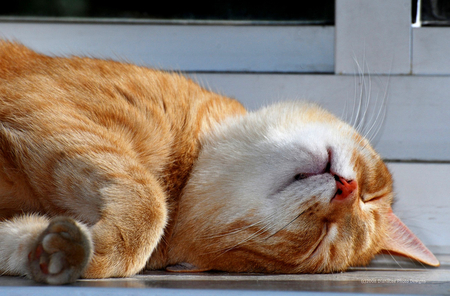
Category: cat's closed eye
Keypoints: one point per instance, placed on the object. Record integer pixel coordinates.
(301, 176)
(366, 199)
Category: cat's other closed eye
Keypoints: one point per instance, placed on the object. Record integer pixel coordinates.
(301, 176)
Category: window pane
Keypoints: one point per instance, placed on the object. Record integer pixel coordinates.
(433, 12)
(321, 11)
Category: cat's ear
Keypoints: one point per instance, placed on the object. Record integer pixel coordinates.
(401, 241)
(185, 267)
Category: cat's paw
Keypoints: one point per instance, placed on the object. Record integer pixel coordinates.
(60, 253)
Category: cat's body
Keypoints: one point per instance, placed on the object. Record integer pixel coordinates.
(147, 169)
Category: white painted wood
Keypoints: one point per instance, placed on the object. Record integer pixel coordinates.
(186, 47)
(376, 32)
(431, 50)
(423, 201)
(417, 123)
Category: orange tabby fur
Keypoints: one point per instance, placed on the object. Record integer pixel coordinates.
(112, 147)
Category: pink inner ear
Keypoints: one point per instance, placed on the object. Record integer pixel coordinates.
(401, 241)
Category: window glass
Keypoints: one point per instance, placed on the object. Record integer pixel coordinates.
(319, 11)
(432, 12)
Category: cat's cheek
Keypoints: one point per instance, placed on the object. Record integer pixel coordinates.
(322, 188)
(304, 197)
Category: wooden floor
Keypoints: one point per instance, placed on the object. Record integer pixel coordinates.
(384, 276)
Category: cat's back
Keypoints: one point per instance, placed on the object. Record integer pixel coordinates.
(134, 103)
(88, 84)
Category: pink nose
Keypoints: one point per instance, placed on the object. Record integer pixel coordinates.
(344, 188)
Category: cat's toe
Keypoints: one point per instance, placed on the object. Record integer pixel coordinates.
(61, 253)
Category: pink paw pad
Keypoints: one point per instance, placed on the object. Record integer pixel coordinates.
(61, 253)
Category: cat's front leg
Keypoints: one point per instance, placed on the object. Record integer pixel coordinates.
(60, 250)
(132, 223)
(129, 230)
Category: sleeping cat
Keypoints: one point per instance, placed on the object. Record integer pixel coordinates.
(109, 168)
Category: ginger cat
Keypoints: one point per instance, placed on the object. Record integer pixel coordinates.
(110, 168)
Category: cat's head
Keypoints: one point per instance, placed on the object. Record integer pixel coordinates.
(288, 189)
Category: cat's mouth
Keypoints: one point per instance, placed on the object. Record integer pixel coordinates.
(316, 248)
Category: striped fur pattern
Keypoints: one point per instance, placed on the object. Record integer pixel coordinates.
(108, 168)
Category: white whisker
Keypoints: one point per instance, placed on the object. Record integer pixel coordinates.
(373, 118)
(366, 122)
(238, 230)
(249, 238)
(368, 93)
(268, 227)
(379, 120)
(357, 105)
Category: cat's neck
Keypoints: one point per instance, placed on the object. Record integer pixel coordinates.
(205, 110)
